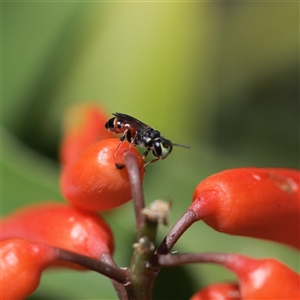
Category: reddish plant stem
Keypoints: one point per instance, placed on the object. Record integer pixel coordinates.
(119, 288)
(182, 224)
(112, 272)
(133, 170)
(172, 260)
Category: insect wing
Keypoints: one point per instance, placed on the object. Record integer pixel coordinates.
(137, 124)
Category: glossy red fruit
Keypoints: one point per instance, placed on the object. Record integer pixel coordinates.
(256, 202)
(93, 181)
(84, 124)
(263, 278)
(21, 267)
(218, 291)
(62, 226)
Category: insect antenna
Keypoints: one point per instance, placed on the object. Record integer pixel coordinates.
(182, 145)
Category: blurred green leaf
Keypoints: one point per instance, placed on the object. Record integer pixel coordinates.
(27, 176)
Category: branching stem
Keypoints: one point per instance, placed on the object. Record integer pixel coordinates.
(172, 260)
(119, 287)
(112, 272)
(133, 170)
(183, 223)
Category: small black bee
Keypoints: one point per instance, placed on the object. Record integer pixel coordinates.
(138, 133)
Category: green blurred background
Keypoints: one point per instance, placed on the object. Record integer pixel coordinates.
(221, 77)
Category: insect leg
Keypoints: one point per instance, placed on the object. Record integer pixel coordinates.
(133, 140)
(151, 161)
(124, 135)
(122, 138)
(146, 153)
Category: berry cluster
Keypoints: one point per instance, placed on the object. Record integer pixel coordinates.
(256, 202)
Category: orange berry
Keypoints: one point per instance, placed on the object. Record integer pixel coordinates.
(257, 202)
(93, 181)
(21, 267)
(219, 291)
(62, 226)
(263, 278)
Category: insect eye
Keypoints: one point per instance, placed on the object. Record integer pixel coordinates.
(165, 144)
(157, 149)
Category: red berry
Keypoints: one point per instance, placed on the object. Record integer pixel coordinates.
(62, 226)
(22, 264)
(218, 291)
(256, 202)
(94, 182)
(263, 278)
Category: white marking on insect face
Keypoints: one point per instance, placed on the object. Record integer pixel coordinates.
(164, 151)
